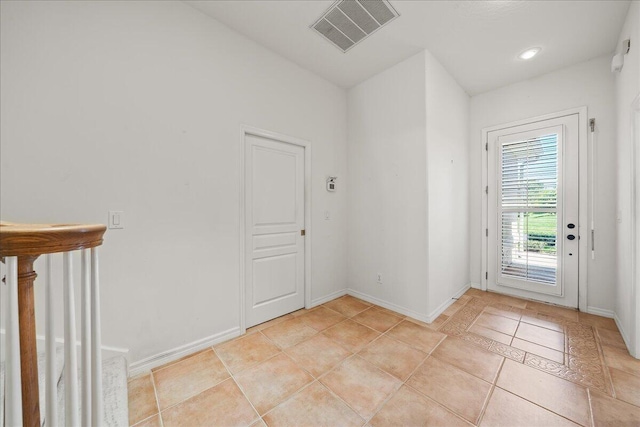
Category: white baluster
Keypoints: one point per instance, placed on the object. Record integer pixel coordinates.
(2, 309)
(51, 381)
(71, 365)
(85, 337)
(13, 383)
(97, 409)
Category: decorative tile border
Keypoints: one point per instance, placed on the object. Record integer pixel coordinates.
(584, 361)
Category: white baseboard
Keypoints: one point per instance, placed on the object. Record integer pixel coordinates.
(168, 356)
(442, 307)
(623, 332)
(107, 351)
(337, 294)
(388, 305)
(475, 286)
(601, 312)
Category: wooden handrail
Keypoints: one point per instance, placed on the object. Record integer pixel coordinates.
(38, 239)
(27, 242)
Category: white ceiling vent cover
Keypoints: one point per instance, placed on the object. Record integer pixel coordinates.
(348, 22)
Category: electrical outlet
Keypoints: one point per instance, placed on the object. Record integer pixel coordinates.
(379, 278)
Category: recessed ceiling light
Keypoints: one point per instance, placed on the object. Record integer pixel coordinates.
(529, 53)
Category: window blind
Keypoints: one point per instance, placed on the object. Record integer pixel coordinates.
(528, 208)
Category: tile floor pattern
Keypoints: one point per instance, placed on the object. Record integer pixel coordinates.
(488, 360)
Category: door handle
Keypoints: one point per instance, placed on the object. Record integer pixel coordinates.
(571, 237)
(571, 226)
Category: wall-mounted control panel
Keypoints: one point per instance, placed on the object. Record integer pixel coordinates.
(331, 183)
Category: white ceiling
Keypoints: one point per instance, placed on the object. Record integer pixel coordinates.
(477, 41)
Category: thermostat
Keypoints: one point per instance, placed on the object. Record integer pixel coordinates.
(331, 183)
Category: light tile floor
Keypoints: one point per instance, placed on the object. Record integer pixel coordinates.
(488, 360)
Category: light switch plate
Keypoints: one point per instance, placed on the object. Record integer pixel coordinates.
(116, 219)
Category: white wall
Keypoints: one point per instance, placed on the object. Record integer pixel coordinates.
(627, 87)
(387, 206)
(137, 106)
(408, 216)
(448, 193)
(586, 84)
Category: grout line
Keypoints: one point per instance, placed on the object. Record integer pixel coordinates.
(343, 361)
(495, 330)
(485, 405)
(366, 309)
(273, 322)
(430, 399)
(416, 368)
(374, 308)
(199, 392)
(438, 344)
(539, 405)
(315, 380)
(242, 371)
(334, 325)
(232, 377)
(517, 329)
(382, 334)
(145, 419)
(603, 363)
(301, 367)
(593, 421)
(282, 347)
(544, 327)
(329, 308)
(543, 407)
(402, 384)
(193, 395)
(384, 402)
(343, 401)
(539, 345)
(295, 393)
(499, 371)
(180, 360)
(155, 392)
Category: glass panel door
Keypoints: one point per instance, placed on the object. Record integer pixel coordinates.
(532, 219)
(528, 209)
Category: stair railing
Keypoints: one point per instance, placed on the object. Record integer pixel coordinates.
(20, 246)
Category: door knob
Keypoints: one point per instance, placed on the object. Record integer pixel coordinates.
(571, 237)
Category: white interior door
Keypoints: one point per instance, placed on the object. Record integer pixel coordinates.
(533, 229)
(274, 204)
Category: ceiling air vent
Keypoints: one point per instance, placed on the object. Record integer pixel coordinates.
(348, 22)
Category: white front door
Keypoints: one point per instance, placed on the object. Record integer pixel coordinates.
(533, 213)
(274, 203)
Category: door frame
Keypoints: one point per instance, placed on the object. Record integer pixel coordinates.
(306, 145)
(634, 345)
(583, 194)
